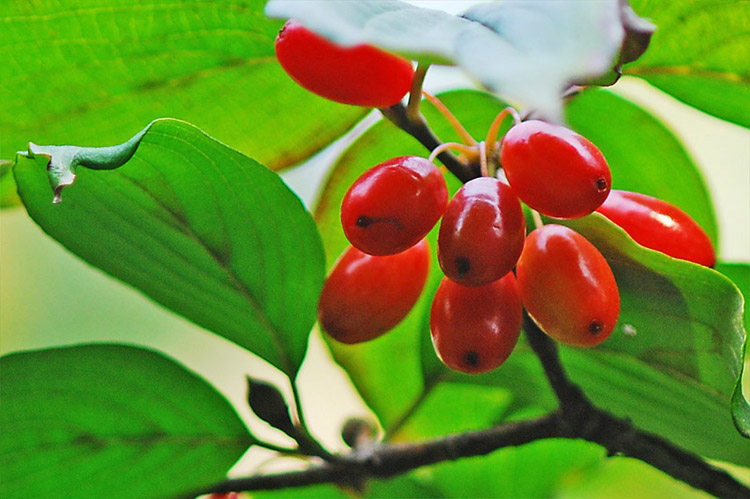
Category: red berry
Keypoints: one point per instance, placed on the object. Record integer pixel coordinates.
(482, 233)
(475, 329)
(554, 170)
(567, 286)
(361, 75)
(366, 296)
(660, 226)
(394, 205)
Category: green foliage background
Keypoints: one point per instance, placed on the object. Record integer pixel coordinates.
(93, 75)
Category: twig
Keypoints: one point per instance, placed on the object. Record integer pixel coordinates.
(419, 130)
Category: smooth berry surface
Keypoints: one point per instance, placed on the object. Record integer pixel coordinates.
(481, 233)
(554, 170)
(567, 286)
(660, 226)
(361, 75)
(474, 329)
(394, 205)
(365, 296)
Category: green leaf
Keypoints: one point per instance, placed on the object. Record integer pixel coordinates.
(8, 195)
(674, 362)
(662, 168)
(739, 273)
(111, 421)
(373, 366)
(198, 227)
(90, 72)
(527, 51)
(613, 477)
(538, 469)
(700, 54)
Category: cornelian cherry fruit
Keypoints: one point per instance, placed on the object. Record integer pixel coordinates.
(554, 170)
(660, 226)
(365, 296)
(567, 286)
(394, 205)
(361, 75)
(482, 233)
(474, 329)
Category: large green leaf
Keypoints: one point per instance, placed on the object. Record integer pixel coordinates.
(111, 421)
(674, 363)
(90, 72)
(700, 54)
(527, 51)
(195, 225)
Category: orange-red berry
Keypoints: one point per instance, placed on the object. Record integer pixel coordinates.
(660, 226)
(474, 329)
(482, 233)
(554, 170)
(567, 286)
(361, 75)
(366, 296)
(394, 205)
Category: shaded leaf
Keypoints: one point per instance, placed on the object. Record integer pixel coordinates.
(700, 54)
(111, 421)
(198, 227)
(121, 65)
(526, 51)
(674, 363)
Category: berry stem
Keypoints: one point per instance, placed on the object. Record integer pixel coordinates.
(469, 151)
(415, 94)
(451, 118)
(498, 121)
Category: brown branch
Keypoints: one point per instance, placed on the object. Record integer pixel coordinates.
(617, 435)
(418, 129)
(581, 419)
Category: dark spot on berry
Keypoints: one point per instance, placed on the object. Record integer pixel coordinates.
(601, 184)
(471, 358)
(363, 221)
(462, 265)
(595, 327)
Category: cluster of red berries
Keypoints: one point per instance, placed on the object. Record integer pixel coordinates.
(563, 281)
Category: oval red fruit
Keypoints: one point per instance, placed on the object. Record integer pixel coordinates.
(567, 286)
(482, 233)
(366, 296)
(394, 205)
(475, 329)
(361, 75)
(554, 170)
(660, 226)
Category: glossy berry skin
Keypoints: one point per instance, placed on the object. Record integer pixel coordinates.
(481, 233)
(554, 170)
(361, 75)
(475, 329)
(366, 296)
(658, 225)
(567, 286)
(394, 205)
